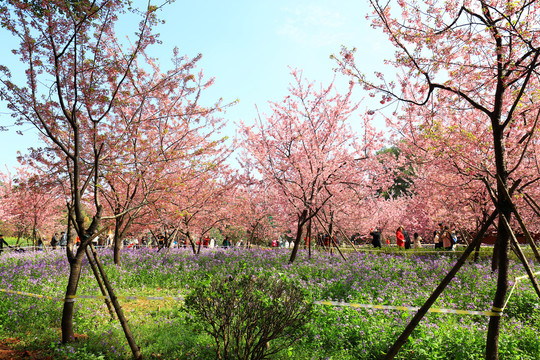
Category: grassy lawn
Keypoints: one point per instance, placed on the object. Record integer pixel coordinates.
(166, 330)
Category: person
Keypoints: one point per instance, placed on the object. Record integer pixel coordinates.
(54, 241)
(2, 243)
(95, 241)
(407, 238)
(376, 238)
(437, 240)
(446, 239)
(417, 241)
(274, 243)
(400, 239)
(161, 242)
(226, 242)
(327, 240)
(453, 237)
(63, 239)
(109, 239)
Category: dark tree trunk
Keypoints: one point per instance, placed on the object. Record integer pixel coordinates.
(118, 238)
(308, 237)
(402, 339)
(191, 243)
(301, 222)
(331, 233)
(75, 267)
(502, 244)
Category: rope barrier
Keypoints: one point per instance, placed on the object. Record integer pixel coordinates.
(102, 297)
(516, 281)
(71, 298)
(493, 312)
(31, 295)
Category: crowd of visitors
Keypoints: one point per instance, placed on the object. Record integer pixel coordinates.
(444, 238)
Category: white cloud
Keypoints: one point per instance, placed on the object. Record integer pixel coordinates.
(315, 24)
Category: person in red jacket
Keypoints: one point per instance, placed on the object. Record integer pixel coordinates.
(400, 238)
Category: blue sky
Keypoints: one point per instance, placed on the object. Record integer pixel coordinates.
(248, 47)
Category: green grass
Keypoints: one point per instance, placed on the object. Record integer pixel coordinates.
(164, 330)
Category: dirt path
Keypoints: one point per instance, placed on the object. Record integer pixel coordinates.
(8, 353)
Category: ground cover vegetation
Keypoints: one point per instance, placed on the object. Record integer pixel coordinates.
(170, 329)
(131, 154)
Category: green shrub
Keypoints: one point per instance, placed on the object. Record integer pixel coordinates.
(250, 316)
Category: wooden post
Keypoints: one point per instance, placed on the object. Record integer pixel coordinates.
(464, 236)
(521, 223)
(402, 339)
(521, 256)
(477, 251)
(331, 238)
(127, 331)
(349, 240)
(171, 240)
(532, 204)
(100, 282)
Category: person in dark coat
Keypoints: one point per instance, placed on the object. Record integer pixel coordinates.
(407, 239)
(376, 238)
(54, 241)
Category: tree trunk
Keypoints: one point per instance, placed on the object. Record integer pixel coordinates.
(118, 238)
(301, 222)
(308, 237)
(502, 244)
(191, 243)
(119, 312)
(402, 339)
(75, 267)
(331, 233)
(492, 342)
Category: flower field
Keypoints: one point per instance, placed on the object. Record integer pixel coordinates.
(164, 330)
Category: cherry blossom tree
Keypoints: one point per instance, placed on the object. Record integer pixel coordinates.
(75, 70)
(472, 67)
(30, 205)
(198, 198)
(160, 128)
(255, 208)
(306, 150)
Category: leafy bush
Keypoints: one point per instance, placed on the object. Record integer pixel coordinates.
(250, 316)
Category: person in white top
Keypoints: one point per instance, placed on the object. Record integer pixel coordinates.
(417, 241)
